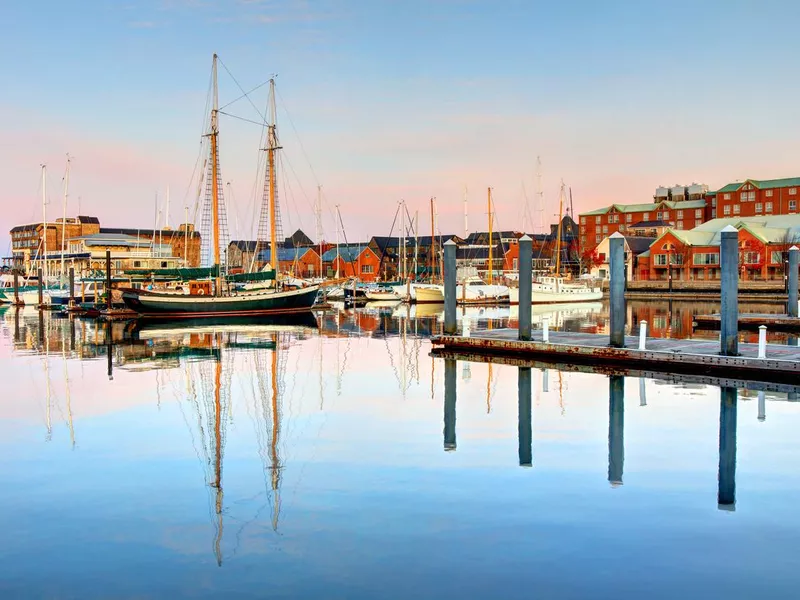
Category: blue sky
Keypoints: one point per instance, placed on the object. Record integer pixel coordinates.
(396, 100)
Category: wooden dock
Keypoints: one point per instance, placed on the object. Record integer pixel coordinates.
(700, 357)
(752, 321)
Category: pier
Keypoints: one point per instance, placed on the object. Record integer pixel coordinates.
(726, 357)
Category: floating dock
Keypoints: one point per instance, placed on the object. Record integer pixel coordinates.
(752, 321)
(701, 357)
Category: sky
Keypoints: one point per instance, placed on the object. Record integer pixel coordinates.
(381, 101)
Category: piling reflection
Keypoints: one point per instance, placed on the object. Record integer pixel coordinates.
(449, 405)
(726, 495)
(525, 426)
(616, 429)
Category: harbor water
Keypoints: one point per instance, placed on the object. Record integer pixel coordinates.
(334, 457)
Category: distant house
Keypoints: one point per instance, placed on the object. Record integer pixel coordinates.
(352, 261)
(634, 247)
(417, 251)
(240, 254)
(299, 262)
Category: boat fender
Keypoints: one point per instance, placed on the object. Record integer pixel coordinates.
(201, 292)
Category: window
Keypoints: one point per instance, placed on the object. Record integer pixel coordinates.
(597, 219)
(629, 218)
(646, 217)
(706, 258)
(680, 224)
(137, 264)
(713, 202)
(605, 228)
(602, 257)
(737, 209)
(514, 264)
(769, 206)
(792, 204)
(768, 193)
(597, 228)
(597, 239)
(751, 258)
(792, 191)
(583, 220)
(666, 214)
(759, 207)
(727, 209)
(726, 196)
(680, 214)
(368, 269)
(622, 227)
(698, 214)
(163, 264)
(658, 216)
(661, 260)
(613, 218)
(747, 196)
(776, 257)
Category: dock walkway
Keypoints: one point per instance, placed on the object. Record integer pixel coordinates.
(782, 363)
(752, 321)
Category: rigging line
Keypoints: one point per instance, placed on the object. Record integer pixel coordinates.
(299, 183)
(240, 118)
(260, 85)
(263, 118)
(299, 140)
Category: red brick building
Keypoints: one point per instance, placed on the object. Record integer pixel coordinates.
(352, 261)
(754, 197)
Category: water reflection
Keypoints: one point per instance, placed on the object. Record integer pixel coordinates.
(314, 450)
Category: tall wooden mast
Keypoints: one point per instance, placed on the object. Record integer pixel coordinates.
(217, 483)
(272, 146)
(432, 260)
(491, 241)
(276, 424)
(558, 241)
(215, 173)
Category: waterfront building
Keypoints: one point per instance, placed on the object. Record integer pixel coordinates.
(356, 260)
(27, 241)
(298, 262)
(694, 255)
(87, 255)
(754, 197)
(634, 247)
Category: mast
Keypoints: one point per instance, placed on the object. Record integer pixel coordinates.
(491, 240)
(416, 243)
(319, 226)
(558, 241)
(338, 219)
(432, 259)
(540, 193)
(215, 175)
(403, 240)
(272, 146)
(186, 238)
(64, 219)
(44, 222)
(466, 222)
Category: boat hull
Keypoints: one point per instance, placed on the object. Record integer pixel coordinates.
(560, 297)
(429, 294)
(173, 306)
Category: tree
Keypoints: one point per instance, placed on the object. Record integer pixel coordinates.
(591, 259)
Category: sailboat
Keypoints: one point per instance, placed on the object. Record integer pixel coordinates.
(428, 293)
(555, 288)
(218, 300)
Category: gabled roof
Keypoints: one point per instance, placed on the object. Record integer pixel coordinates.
(88, 220)
(245, 245)
(346, 253)
(298, 238)
(647, 207)
(762, 184)
(284, 254)
(638, 244)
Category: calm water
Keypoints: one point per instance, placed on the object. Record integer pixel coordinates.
(345, 462)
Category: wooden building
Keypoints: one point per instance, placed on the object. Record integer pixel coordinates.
(357, 260)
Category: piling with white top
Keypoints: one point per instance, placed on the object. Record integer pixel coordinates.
(525, 416)
(450, 287)
(41, 288)
(794, 266)
(642, 335)
(726, 492)
(729, 291)
(525, 286)
(616, 251)
(546, 330)
(71, 286)
(762, 341)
